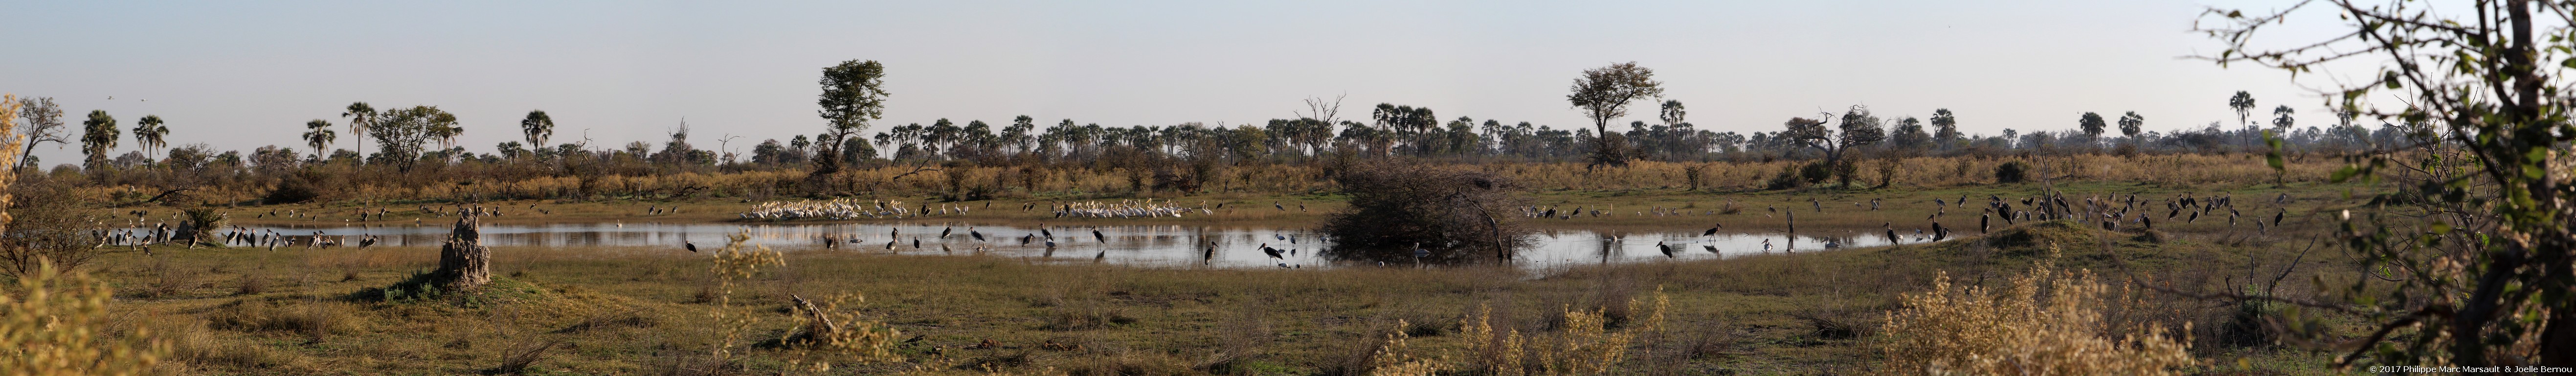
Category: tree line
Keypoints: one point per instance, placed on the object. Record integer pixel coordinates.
(405, 138)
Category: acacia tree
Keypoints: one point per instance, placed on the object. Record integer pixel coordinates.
(2131, 124)
(1603, 94)
(149, 134)
(401, 133)
(318, 134)
(1945, 127)
(98, 136)
(1908, 135)
(1858, 128)
(42, 121)
(2472, 265)
(2093, 125)
(853, 94)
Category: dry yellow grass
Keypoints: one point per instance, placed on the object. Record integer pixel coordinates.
(2046, 322)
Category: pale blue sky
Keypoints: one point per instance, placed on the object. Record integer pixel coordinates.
(243, 74)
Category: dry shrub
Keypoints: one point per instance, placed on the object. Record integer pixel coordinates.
(629, 318)
(251, 285)
(832, 330)
(515, 362)
(1396, 205)
(256, 315)
(733, 263)
(2048, 322)
(56, 326)
(167, 280)
(1124, 363)
(1585, 344)
(1241, 335)
(48, 223)
(1089, 315)
(1394, 358)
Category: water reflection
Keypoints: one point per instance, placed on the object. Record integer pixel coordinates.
(1149, 245)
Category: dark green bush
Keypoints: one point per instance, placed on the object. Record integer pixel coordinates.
(2012, 172)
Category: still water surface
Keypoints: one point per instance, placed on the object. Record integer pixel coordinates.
(1141, 245)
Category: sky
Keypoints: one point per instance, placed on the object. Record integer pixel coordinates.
(238, 75)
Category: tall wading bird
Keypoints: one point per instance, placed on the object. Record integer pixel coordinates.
(1273, 252)
(692, 246)
(970, 231)
(1712, 230)
(1667, 249)
(1983, 220)
(1095, 235)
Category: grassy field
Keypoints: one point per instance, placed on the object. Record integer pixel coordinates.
(647, 311)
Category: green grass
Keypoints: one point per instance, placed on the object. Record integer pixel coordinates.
(640, 311)
(635, 314)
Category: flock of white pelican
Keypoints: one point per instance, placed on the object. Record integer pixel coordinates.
(841, 209)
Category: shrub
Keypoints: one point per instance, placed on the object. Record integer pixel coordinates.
(1396, 205)
(201, 225)
(292, 189)
(1816, 172)
(1786, 179)
(2046, 322)
(1584, 344)
(48, 224)
(59, 329)
(2012, 172)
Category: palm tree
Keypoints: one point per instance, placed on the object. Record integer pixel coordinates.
(318, 135)
(361, 116)
(98, 136)
(148, 133)
(538, 127)
(442, 127)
